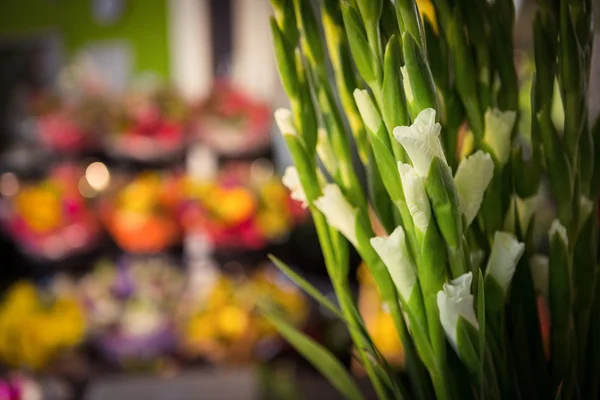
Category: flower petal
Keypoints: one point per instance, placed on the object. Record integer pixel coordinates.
(472, 179)
(291, 180)
(498, 129)
(506, 252)
(416, 197)
(455, 300)
(339, 212)
(421, 141)
(285, 121)
(394, 254)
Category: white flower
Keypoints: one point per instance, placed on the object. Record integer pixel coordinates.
(539, 265)
(285, 121)
(421, 141)
(472, 179)
(506, 252)
(416, 197)
(558, 228)
(339, 213)
(454, 301)
(325, 152)
(394, 254)
(408, 93)
(526, 209)
(497, 134)
(291, 180)
(367, 110)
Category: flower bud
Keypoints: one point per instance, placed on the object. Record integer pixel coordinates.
(394, 254)
(472, 179)
(497, 133)
(339, 212)
(416, 197)
(506, 252)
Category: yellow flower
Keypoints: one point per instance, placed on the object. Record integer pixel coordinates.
(426, 9)
(236, 205)
(40, 207)
(232, 322)
(273, 224)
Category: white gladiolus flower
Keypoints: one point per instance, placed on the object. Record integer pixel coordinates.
(291, 180)
(285, 121)
(472, 179)
(506, 252)
(539, 265)
(526, 209)
(339, 213)
(394, 254)
(421, 141)
(498, 128)
(325, 152)
(416, 197)
(367, 110)
(454, 301)
(558, 228)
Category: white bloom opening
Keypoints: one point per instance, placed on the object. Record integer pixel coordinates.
(455, 300)
(539, 265)
(339, 212)
(325, 152)
(416, 196)
(526, 209)
(285, 121)
(506, 252)
(558, 228)
(394, 254)
(497, 134)
(422, 141)
(472, 178)
(367, 110)
(291, 180)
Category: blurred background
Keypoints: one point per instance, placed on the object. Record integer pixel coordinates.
(140, 194)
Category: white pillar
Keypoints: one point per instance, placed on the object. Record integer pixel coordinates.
(253, 60)
(190, 47)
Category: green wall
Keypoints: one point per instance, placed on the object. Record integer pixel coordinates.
(143, 25)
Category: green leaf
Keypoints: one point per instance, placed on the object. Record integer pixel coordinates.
(422, 93)
(329, 366)
(481, 319)
(310, 38)
(306, 286)
(285, 61)
(364, 57)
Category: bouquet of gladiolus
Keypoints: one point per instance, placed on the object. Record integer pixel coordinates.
(447, 225)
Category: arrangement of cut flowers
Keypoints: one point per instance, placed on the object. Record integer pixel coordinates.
(242, 209)
(36, 326)
(141, 214)
(224, 326)
(129, 308)
(51, 219)
(232, 123)
(72, 124)
(152, 125)
(446, 228)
